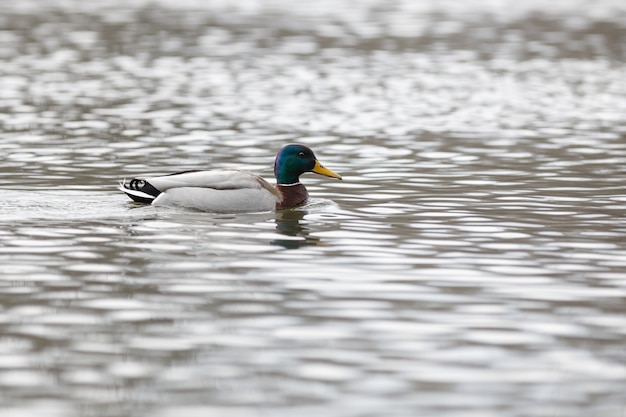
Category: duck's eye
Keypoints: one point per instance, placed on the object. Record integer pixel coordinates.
(301, 154)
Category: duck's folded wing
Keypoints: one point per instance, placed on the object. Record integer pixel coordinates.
(223, 179)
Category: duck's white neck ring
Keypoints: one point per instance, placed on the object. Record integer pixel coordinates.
(289, 185)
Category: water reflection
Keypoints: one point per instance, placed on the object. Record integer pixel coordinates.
(289, 223)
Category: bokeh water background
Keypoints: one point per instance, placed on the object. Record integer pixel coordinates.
(472, 263)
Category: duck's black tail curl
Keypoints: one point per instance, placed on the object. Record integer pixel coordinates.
(139, 190)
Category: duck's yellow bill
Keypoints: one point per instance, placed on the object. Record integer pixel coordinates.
(322, 170)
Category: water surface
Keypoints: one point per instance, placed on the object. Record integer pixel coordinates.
(471, 263)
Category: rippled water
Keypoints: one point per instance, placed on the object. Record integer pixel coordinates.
(471, 263)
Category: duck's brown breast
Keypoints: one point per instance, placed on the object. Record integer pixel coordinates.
(293, 195)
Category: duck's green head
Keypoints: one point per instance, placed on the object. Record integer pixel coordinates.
(294, 160)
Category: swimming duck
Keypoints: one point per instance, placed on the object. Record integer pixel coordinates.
(232, 190)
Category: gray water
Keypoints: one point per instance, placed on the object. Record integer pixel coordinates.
(472, 263)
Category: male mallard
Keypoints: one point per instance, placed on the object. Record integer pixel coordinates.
(231, 190)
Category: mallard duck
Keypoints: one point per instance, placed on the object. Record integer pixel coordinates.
(232, 190)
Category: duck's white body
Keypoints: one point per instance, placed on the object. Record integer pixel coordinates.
(220, 191)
